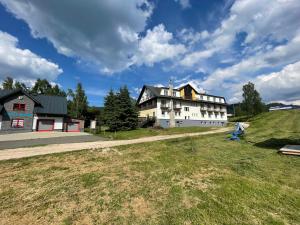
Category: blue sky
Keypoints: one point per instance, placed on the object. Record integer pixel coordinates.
(217, 46)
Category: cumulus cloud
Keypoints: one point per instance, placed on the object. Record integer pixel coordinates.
(272, 41)
(22, 64)
(284, 84)
(246, 68)
(260, 20)
(194, 57)
(157, 46)
(103, 32)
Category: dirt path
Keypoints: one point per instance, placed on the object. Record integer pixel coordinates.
(57, 148)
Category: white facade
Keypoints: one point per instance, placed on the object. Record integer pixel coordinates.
(58, 121)
(185, 110)
(190, 107)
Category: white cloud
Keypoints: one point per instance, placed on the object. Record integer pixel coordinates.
(260, 19)
(23, 64)
(157, 46)
(159, 85)
(282, 85)
(271, 43)
(246, 68)
(191, 37)
(103, 32)
(196, 57)
(184, 3)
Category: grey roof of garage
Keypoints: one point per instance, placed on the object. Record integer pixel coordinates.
(45, 104)
(51, 105)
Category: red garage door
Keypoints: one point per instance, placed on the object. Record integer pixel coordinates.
(73, 127)
(45, 125)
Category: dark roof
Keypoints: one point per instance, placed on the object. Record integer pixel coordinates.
(6, 93)
(157, 90)
(45, 104)
(56, 105)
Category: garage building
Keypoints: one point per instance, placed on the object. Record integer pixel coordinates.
(21, 111)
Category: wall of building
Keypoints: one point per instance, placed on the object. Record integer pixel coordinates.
(194, 111)
(190, 123)
(148, 113)
(58, 122)
(8, 113)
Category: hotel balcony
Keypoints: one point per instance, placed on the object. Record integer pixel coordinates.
(177, 106)
(217, 109)
(210, 109)
(164, 106)
(203, 108)
(223, 110)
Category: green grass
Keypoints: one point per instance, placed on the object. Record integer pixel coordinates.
(199, 180)
(145, 132)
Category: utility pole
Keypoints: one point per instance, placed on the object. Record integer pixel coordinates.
(172, 116)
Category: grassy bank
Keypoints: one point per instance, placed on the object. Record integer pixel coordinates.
(201, 180)
(146, 132)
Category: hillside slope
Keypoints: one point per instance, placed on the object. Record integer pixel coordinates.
(275, 129)
(195, 180)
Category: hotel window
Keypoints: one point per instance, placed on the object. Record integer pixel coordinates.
(174, 93)
(201, 97)
(19, 107)
(17, 123)
(186, 109)
(165, 92)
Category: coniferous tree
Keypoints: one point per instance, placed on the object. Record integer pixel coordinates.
(252, 103)
(8, 84)
(111, 111)
(41, 87)
(20, 85)
(78, 104)
(127, 115)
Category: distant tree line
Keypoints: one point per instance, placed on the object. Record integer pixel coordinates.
(41, 86)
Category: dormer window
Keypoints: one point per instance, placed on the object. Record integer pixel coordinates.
(165, 92)
(19, 107)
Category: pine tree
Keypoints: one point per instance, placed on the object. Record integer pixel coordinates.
(78, 104)
(127, 116)
(8, 84)
(20, 85)
(41, 87)
(252, 103)
(111, 111)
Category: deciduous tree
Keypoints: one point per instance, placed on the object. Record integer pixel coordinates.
(252, 103)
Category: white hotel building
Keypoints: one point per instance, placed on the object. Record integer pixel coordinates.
(190, 108)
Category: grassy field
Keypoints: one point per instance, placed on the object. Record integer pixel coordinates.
(200, 180)
(146, 132)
